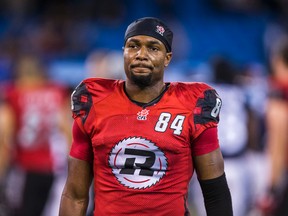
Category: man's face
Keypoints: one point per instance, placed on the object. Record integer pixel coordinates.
(145, 58)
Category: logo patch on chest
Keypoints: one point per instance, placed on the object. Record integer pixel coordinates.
(137, 163)
(142, 115)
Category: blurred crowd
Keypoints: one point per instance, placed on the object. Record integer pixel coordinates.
(240, 47)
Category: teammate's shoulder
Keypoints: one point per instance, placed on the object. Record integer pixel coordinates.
(278, 90)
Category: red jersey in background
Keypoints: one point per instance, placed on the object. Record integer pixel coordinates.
(37, 122)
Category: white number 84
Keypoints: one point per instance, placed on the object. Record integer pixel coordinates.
(163, 121)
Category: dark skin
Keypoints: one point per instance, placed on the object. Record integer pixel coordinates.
(145, 59)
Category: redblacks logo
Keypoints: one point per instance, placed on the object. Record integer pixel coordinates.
(137, 163)
(160, 30)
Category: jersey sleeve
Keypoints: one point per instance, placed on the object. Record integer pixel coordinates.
(206, 113)
(81, 102)
(206, 142)
(81, 146)
(207, 108)
(205, 117)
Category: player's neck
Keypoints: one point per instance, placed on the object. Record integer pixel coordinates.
(144, 95)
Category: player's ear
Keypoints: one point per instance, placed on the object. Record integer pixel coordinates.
(168, 58)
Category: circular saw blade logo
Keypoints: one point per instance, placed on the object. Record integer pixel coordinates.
(137, 163)
(142, 115)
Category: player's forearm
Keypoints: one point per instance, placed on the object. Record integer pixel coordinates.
(277, 151)
(7, 127)
(217, 196)
(277, 124)
(73, 207)
(4, 163)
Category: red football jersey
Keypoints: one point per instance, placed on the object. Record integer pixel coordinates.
(278, 90)
(37, 112)
(143, 150)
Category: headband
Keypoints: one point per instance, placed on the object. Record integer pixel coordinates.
(152, 27)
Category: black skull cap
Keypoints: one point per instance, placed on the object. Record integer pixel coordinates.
(152, 27)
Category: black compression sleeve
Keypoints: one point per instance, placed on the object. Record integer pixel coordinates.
(217, 197)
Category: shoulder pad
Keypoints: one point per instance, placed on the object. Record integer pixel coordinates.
(91, 91)
(81, 102)
(189, 92)
(207, 107)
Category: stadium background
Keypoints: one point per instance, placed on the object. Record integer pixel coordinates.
(81, 38)
(64, 32)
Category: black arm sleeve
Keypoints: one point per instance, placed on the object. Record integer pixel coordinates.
(217, 197)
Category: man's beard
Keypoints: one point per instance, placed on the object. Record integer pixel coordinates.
(142, 81)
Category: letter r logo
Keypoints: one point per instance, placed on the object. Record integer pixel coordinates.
(145, 170)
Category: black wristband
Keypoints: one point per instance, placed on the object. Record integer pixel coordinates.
(217, 197)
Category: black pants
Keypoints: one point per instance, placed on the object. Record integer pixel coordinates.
(282, 206)
(36, 191)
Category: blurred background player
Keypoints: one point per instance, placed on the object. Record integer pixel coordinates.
(276, 201)
(6, 135)
(36, 114)
(105, 64)
(238, 134)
